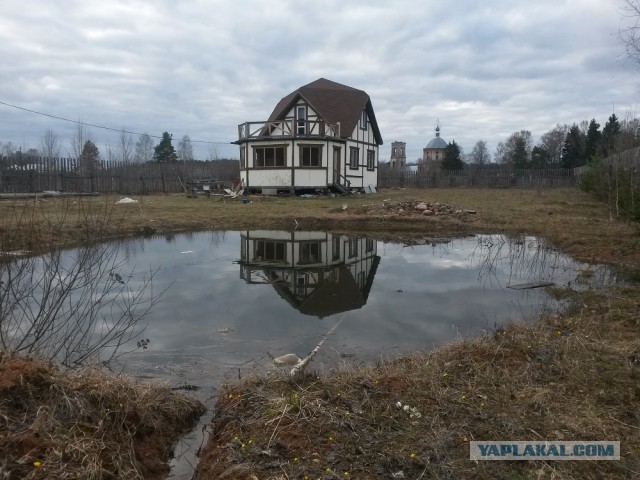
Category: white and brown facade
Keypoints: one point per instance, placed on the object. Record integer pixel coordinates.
(323, 136)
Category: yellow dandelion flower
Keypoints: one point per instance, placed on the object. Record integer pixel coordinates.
(37, 464)
(413, 455)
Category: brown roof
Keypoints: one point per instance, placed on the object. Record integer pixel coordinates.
(334, 102)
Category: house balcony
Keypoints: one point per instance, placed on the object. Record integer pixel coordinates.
(287, 129)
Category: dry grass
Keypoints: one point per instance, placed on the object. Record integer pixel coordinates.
(572, 377)
(86, 424)
(569, 218)
(565, 378)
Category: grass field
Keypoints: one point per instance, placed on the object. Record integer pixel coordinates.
(568, 218)
(574, 375)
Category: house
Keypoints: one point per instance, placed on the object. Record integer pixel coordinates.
(317, 273)
(321, 137)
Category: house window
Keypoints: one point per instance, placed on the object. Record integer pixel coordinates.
(310, 155)
(335, 248)
(401, 151)
(363, 120)
(270, 251)
(301, 119)
(242, 157)
(394, 151)
(353, 247)
(369, 247)
(353, 158)
(371, 160)
(301, 283)
(265, 157)
(310, 252)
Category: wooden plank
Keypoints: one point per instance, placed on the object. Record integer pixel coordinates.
(530, 285)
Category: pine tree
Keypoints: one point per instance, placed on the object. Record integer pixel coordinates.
(452, 157)
(520, 154)
(164, 151)
(89, 158)
(592, 144)
(540, 157)
(573, 150)
(610, 132)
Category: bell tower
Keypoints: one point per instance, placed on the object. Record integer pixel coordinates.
(398, 155)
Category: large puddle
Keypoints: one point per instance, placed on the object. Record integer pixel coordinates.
(228, 302)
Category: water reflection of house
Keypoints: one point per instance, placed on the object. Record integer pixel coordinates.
(318, 273)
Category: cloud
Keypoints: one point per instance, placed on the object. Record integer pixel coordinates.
(201, 67)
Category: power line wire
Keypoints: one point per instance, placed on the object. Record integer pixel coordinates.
(100, 126)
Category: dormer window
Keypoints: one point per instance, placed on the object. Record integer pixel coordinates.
(363, 120)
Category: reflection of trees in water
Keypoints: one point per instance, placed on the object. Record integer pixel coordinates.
(72, 306)
(519, 259)
(528, 258)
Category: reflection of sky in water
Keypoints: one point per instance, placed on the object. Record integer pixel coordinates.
(211, 325)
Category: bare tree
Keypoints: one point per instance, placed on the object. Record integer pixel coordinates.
(213, 153)
(144, 149)
(7, 149)
(70, 306)
(630, 34)
(185, 150)
(111, 152)
(553, 142)
(80, 137)
(50, 145)
(480, 154)
(126, 146)
(50, 148)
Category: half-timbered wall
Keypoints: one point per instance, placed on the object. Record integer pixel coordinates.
(302, 169)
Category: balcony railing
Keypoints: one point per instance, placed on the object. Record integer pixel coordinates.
(288, 128)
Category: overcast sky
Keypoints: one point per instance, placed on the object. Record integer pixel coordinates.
(201, 67)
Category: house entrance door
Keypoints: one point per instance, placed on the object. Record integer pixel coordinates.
(336, 165)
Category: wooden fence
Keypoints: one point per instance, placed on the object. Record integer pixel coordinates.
(38, 174)
(478, 178)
